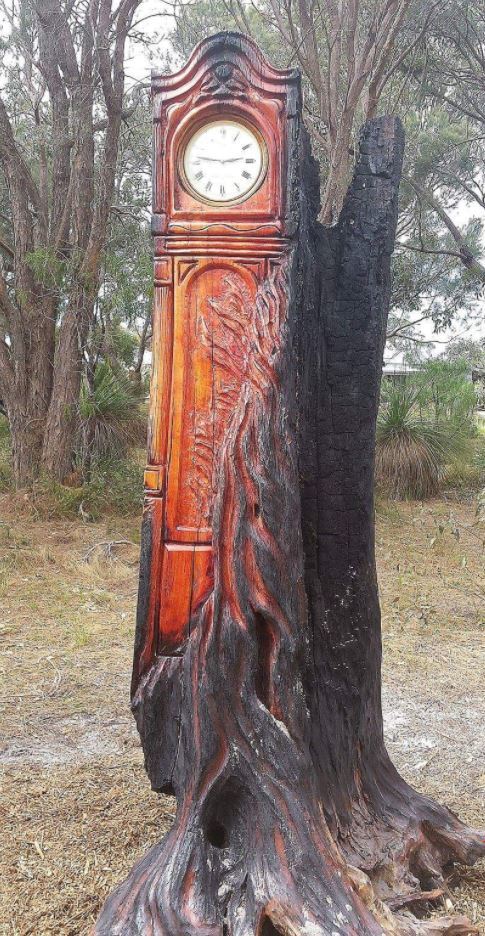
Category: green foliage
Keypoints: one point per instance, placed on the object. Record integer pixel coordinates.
(196, 21)
(110, 417)
(472, 352)
(447, 391)
(115, 488)
(413, 446)
(467, 474)
(47, 267)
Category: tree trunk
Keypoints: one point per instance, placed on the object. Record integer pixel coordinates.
(67, 221)
(400, 838)
(26, 386)
(61, 419)
(268, 726)
(68, 368)
(26, 446)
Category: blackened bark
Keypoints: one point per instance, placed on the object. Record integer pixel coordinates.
(342, 378)
(400, 838)
(268, 728)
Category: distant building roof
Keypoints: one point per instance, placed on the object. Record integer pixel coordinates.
(398, 368)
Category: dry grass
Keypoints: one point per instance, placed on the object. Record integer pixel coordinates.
(76, 807)
(431, 572)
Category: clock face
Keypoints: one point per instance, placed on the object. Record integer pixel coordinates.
(224, 161)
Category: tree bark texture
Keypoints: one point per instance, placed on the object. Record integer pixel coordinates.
(59, 211)
(267, 723)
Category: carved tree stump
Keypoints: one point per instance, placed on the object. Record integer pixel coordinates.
(265, 720)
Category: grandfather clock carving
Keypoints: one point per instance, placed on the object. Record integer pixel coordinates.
(256, 683)
(221, 226)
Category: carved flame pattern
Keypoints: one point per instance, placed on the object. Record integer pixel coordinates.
(235, 337)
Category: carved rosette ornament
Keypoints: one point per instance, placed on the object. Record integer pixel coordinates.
(256, 677)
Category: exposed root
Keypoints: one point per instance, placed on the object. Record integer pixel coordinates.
(204, 880)
(403, 923)
(404, 841)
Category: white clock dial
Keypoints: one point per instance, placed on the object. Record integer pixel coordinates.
(224, 161)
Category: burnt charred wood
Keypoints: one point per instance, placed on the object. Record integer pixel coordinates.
(402, 839)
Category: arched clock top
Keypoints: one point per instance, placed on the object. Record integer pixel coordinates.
(229, 64)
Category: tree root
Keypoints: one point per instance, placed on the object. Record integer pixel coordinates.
(404, 841)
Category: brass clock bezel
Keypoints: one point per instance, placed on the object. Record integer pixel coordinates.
(236, 120)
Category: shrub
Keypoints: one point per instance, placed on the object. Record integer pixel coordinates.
(447, 392)
(114, 489)
(110, 417)
(114, 486)
(468, 474)
(413, 447)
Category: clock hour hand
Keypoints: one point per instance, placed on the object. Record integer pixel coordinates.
(234, 159)
(210, 159)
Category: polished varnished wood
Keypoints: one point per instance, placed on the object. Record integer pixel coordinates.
(209, 261)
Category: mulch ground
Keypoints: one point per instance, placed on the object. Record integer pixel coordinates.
(76, 809)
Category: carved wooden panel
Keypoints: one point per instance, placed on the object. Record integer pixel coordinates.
(213, 303)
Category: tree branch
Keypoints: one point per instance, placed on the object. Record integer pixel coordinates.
(13, 163)
(428, 250)
(467, 257)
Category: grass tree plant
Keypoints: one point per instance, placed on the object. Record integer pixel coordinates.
(413, 446)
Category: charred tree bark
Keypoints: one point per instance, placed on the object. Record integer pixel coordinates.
(268, 727)
(401, 839)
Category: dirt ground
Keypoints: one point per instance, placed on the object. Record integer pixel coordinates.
(76, 810)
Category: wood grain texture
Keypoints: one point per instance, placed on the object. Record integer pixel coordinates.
(256, 682)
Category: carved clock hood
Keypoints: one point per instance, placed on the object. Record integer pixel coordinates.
(225, 75)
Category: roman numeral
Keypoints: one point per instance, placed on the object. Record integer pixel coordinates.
(247, 146)
(246, 174)
(250, 160)
(222, 190)
(235, 138)
(198, 175)
(208, 186)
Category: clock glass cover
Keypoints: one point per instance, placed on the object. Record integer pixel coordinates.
(224, 161)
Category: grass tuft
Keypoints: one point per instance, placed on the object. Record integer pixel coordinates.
(413, 450)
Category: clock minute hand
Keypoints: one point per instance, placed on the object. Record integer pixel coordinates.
(210, 159)
(234, 159)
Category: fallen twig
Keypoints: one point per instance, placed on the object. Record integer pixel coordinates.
(108, 547)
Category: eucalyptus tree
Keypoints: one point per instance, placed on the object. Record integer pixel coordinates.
(62, 110)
